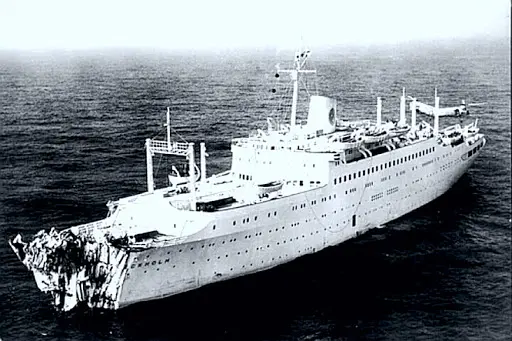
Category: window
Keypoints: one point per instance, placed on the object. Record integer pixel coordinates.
(353, 220)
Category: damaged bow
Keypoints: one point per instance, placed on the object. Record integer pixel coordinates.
(74, 268)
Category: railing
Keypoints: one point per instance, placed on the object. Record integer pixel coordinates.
(162, 147)
(86, 229)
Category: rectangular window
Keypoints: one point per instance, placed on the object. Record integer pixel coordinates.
(353, 220)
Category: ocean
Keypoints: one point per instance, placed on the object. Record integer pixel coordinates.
(72, 130)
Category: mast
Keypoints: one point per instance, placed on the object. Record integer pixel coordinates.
(203, 161)
(413, 115)
(192, 174)
(300, 60)
(436, 121)
(379, 111)
(149, 166)
(168, 128)
(436, 99)
(402, 108)
(436, 113)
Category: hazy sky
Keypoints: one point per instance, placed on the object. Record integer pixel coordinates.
(44, 24)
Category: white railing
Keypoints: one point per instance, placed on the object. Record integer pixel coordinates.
(163, 147)
(86, 229)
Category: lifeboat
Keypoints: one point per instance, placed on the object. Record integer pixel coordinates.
(270, 187)
(375, 137)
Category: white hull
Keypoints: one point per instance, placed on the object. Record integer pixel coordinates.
(299, 224)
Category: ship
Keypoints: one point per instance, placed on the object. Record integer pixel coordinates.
(293, 189)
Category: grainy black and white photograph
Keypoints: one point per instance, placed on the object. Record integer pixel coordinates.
(255, 170)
